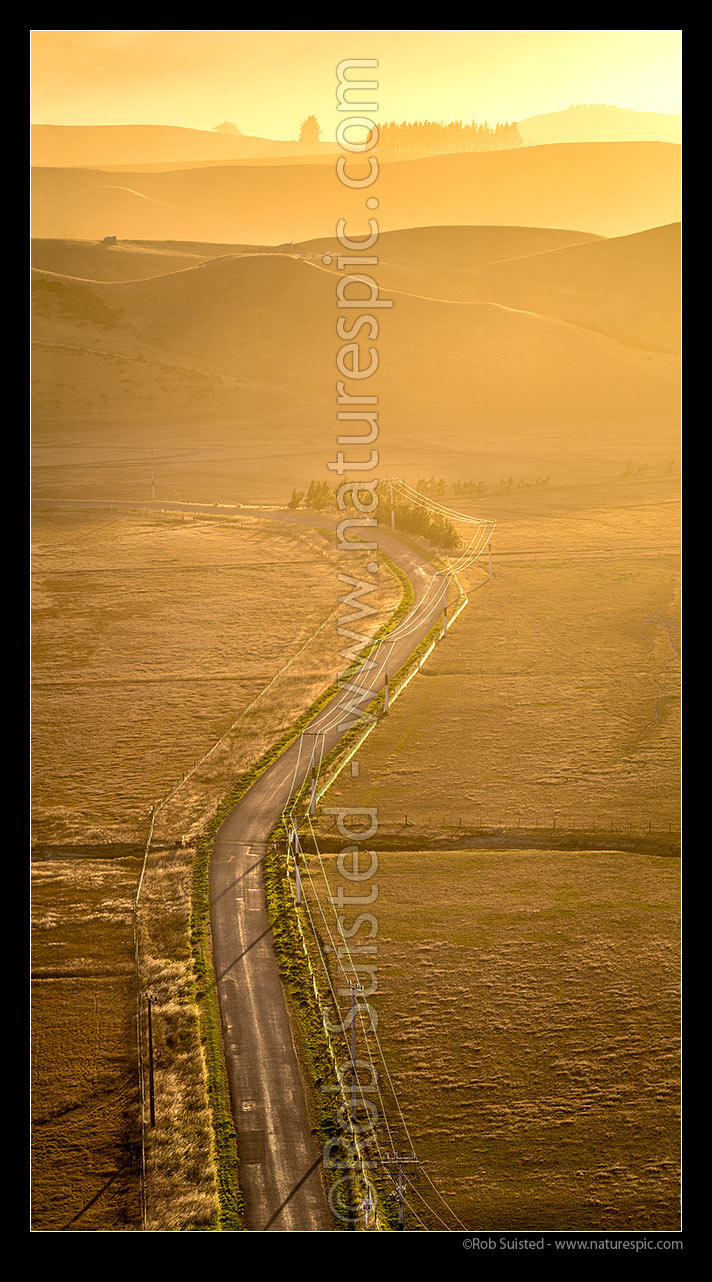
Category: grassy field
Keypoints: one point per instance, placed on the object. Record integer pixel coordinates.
(85, 1158)
(555, 697)
(153, 636)
(528, 1006)
(155, 633)
(529, 999)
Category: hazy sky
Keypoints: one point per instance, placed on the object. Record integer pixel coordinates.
(268, 81)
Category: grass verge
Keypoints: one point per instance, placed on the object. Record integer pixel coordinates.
(312, 1046)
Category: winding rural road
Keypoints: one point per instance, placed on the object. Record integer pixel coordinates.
(280, 1161)
(280, 1169)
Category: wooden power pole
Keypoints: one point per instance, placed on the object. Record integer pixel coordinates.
(400, 1161)
(151, 1088)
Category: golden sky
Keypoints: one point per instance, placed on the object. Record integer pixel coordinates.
(268, 81)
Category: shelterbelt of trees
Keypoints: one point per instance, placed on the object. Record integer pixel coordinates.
(321, 497)
(414, 138)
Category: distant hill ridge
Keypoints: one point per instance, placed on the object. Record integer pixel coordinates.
(600, 123)
(100, 146)
(64, 146)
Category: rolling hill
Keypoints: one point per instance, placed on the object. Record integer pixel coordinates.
(456, 251)
(94, 146)
(267, 322)
(627, 287)
(449, 252)
(608, 189)
(91, 260)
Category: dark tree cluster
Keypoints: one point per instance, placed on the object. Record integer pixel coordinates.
(428, 525)
(319, 496)
(428, 137)
(414, 519)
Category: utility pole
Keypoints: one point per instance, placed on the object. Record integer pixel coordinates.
(295, 848)
(385, 688)
(445, 620)
(489, 550)
(393, 511)
(312, 801)
(151, 1090)
(400, 1161)
(355, 988)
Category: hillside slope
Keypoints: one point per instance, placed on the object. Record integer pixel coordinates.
(267, 321)
(627, 287)
(453, 251)
(609, 189)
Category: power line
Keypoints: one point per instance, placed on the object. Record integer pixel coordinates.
(338, 955)
(480, 540)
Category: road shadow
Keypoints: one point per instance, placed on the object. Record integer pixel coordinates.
(237, 879)
(289, 1196)
(245, 951)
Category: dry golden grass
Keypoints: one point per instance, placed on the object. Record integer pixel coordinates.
(152, 637)
(528, 1006)
(529, 1000)
(556, 695)
(90, 259)
(180, 1174)
(84, 1095)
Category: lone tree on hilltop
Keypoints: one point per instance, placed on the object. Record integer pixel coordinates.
(227, 127)
(310, 133)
